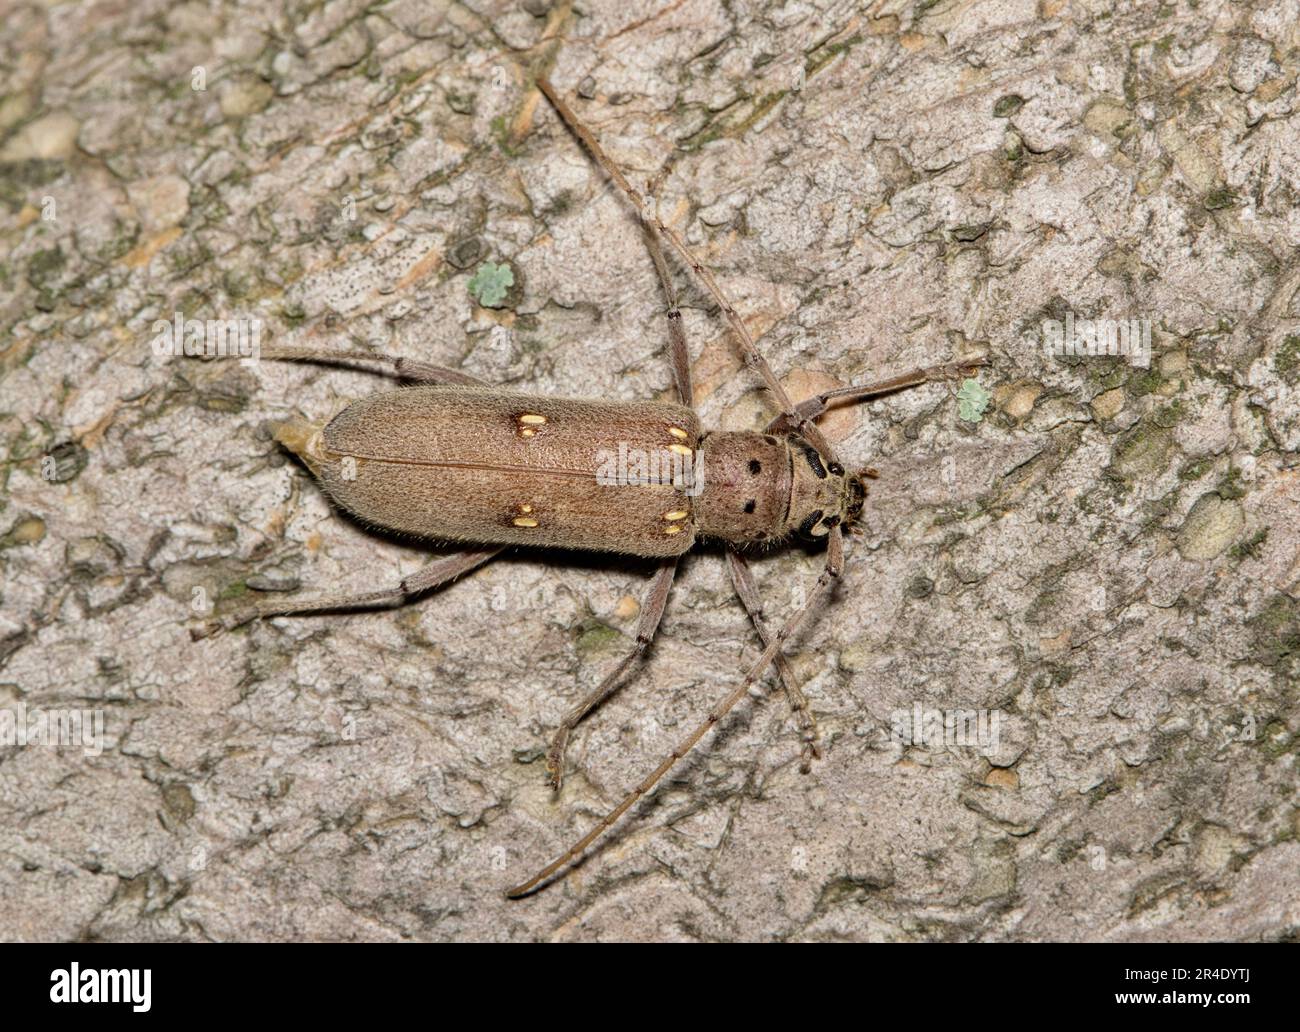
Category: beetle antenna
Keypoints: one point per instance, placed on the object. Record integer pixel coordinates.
(650, 219)
(827, 579)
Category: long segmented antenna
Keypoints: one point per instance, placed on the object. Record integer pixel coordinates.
(834, 564)
(650, 219)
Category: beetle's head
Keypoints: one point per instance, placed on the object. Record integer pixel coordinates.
(823, 495)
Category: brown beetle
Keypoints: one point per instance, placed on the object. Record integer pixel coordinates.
(454, 460)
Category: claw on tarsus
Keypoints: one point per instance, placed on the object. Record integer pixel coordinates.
(555, 759)
(214, 625)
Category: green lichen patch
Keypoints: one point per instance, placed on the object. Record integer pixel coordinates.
(972, 400)
(1286, 363)
(1275, 633)
(595, 636)
(490, 284)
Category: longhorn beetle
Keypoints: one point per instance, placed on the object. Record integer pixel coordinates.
(456, 460)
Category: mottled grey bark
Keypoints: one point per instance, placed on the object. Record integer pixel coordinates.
(1107, 557)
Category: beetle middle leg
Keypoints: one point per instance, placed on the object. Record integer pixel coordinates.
(678, 352)
(652, 611)
(440, 571)
(652, 608)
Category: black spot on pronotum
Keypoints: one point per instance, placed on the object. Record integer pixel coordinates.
(815, 461)
(810, 521)
(836, 469)
(750, 505)
(755, 467)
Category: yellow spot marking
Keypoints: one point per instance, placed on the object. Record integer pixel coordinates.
(676, 528)
(525, 521)
(679, 449)
(532, 419)
(527, 432)
(678, 432)
(525, 508)
(676, 514)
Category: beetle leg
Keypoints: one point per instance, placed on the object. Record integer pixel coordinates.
(440, 571)
(679, 354)
(401, 368)
(811, 408)
(652, 611)
(743, 581)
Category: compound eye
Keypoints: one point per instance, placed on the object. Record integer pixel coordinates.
(809, 527)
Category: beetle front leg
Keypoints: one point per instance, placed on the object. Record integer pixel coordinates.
(652, 611)
(438, 572)
(742, 580)
(812, 408)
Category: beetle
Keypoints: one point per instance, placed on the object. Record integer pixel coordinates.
(454, 460)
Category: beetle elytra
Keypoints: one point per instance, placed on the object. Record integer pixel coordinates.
(457, 461)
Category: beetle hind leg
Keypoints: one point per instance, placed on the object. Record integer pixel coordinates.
(438, 572)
